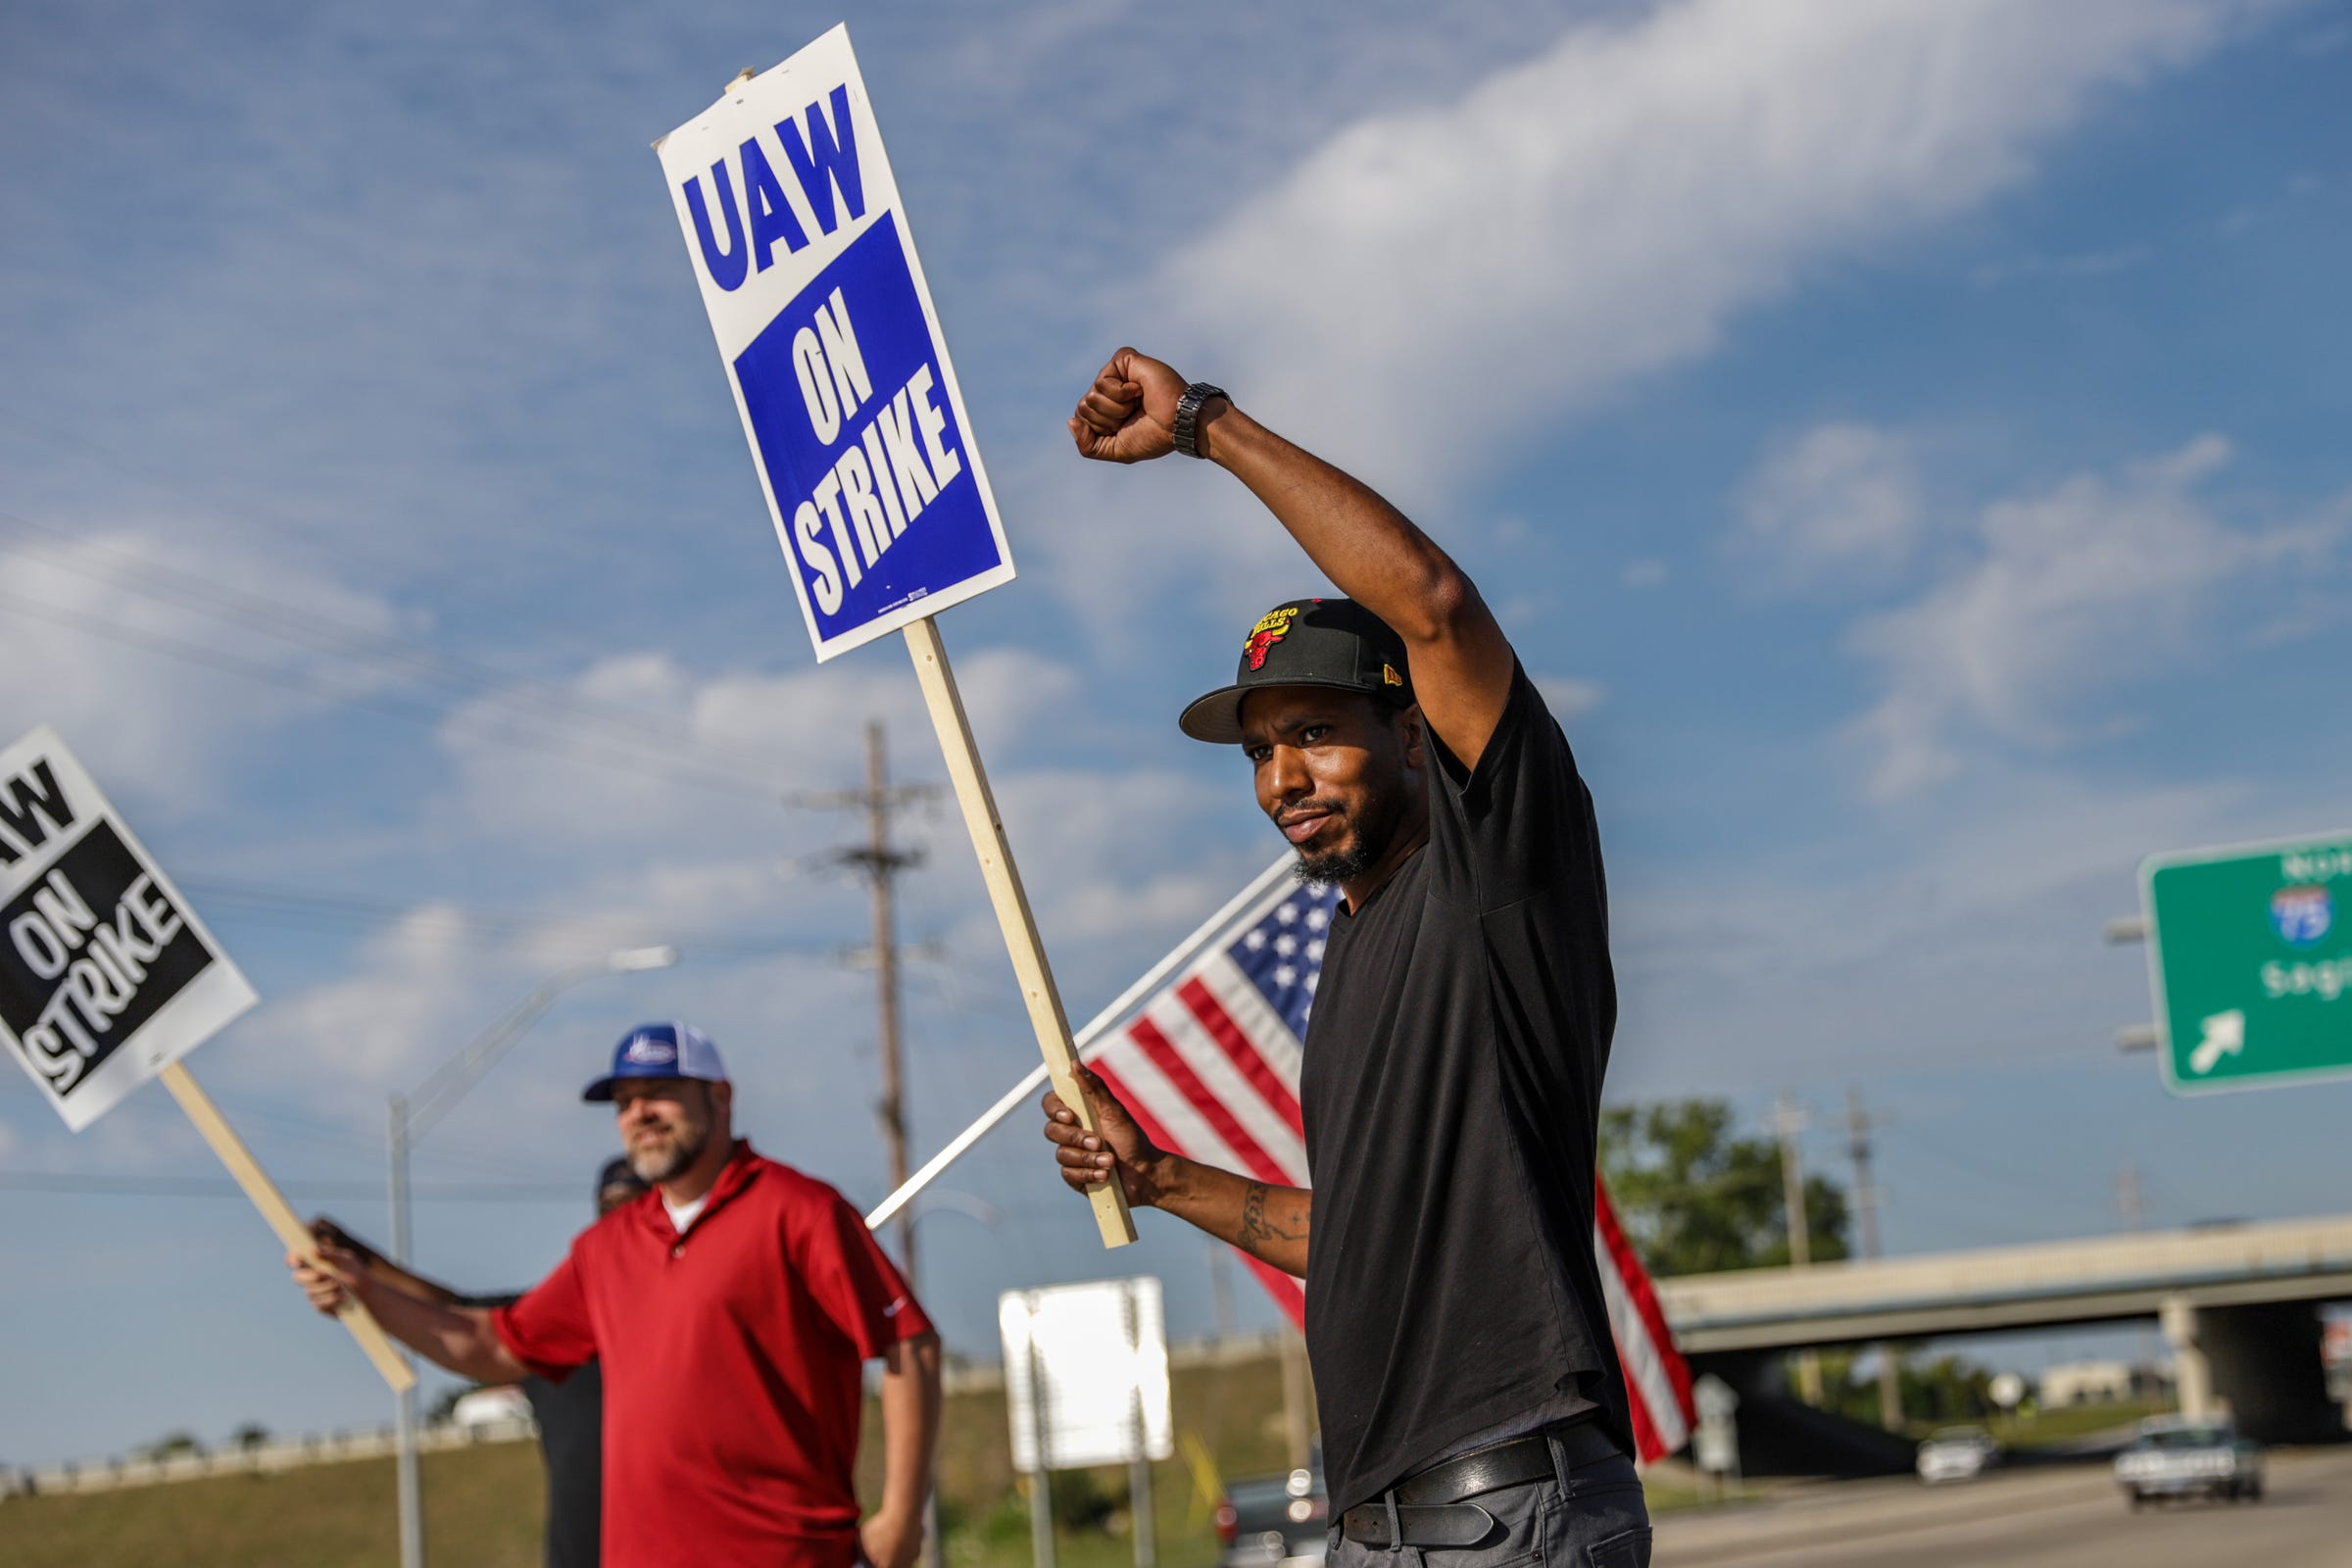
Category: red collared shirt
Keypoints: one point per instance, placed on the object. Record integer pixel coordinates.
(733, 1361)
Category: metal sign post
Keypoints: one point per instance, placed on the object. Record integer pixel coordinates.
(1086, 1384)
(1715, 1443)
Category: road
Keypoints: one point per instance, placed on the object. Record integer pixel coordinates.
(2068, 1517)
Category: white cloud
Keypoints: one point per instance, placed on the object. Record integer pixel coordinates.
(1840, 504)
(1432, 282)
(1868, 951)
(122, 672)
(743, 742)
(412, 998)
(1568, 697)
(2068, 593)
(608, 846)
(550, 765)
(1648, 572)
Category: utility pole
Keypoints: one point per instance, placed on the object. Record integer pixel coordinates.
(2133, 1200)
(1858, 1123)
(409, 1117)
(1296, 1391)
(1789, 1119)
(1220, 1289)
(881, 861)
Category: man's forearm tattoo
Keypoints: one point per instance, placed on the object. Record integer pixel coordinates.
(1255, 1227)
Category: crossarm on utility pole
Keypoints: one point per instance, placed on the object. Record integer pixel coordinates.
(1003, 879)
(282, 1216)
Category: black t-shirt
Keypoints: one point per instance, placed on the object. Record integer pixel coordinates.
(1451, 1090)
(571, 1445)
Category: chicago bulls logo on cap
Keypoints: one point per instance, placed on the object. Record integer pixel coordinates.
(1271, 629)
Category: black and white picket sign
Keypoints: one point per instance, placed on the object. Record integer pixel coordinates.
(106, 974)
(107, 978)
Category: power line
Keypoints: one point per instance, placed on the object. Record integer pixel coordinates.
(881, 861)
(112, 1186)
(310, 534)
(2015, 1183)
(382, 703)
(305, 907)
(271, 616)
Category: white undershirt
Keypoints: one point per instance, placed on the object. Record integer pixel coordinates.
(681, 1215)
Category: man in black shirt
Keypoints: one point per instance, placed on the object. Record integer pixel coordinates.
(1468, 1384)
(570, 1414)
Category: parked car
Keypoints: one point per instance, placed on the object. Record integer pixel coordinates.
(1957, 1454)
(1267, 1521)
(2178, 1456)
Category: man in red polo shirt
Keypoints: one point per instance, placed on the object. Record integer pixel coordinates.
(733, 1309)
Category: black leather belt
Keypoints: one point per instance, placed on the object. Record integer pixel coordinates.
(1432, 1507)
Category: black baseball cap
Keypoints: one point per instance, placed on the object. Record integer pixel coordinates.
(1307, 642)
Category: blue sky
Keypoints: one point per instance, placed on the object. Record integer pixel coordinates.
(1904, 438)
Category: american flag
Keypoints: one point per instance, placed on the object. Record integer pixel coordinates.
(1209, 1068)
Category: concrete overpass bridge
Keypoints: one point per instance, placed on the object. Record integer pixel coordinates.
(2239, 1305)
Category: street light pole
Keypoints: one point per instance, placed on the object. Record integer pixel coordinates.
(404, 1404)
(1789, 1120)
(407, 1117)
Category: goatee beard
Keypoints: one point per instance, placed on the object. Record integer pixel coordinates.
(653, 1168)
(1375, 827)
(1335, 867)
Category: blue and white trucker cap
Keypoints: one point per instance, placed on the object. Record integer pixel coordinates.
(660, 1051)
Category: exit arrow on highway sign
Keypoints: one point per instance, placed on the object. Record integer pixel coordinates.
(2250, 956)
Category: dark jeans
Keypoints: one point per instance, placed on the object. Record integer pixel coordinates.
(1592, 1516)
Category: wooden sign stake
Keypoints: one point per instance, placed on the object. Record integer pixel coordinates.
(1004, 880)
(282, 1217)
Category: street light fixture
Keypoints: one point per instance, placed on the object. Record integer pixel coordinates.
(408, 1118)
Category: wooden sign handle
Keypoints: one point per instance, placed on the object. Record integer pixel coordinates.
(1003, 881)
(282, 1217)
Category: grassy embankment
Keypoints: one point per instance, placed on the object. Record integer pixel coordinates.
(483, 1505)
(2068, 1423)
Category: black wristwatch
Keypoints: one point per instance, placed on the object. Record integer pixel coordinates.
(1186, 431)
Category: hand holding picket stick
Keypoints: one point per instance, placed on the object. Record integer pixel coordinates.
(282, 1219)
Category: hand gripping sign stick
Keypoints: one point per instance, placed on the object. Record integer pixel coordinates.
(107, 977)
(857, 425)
(282, 1217)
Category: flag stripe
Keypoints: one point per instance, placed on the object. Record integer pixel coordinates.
(1167, 1119)
(1658, 1380)
(1235, 1090)
(1287, 1290)
(1228, 1035)
(1631, 1356)
(1265, 1029)
(1649, 1317)
(1170, 1062)
(1210, 1069)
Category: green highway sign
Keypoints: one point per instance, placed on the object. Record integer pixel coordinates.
(2250, 954)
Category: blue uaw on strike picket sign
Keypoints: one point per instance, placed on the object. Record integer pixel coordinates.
(841, 374)
(106, 974)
